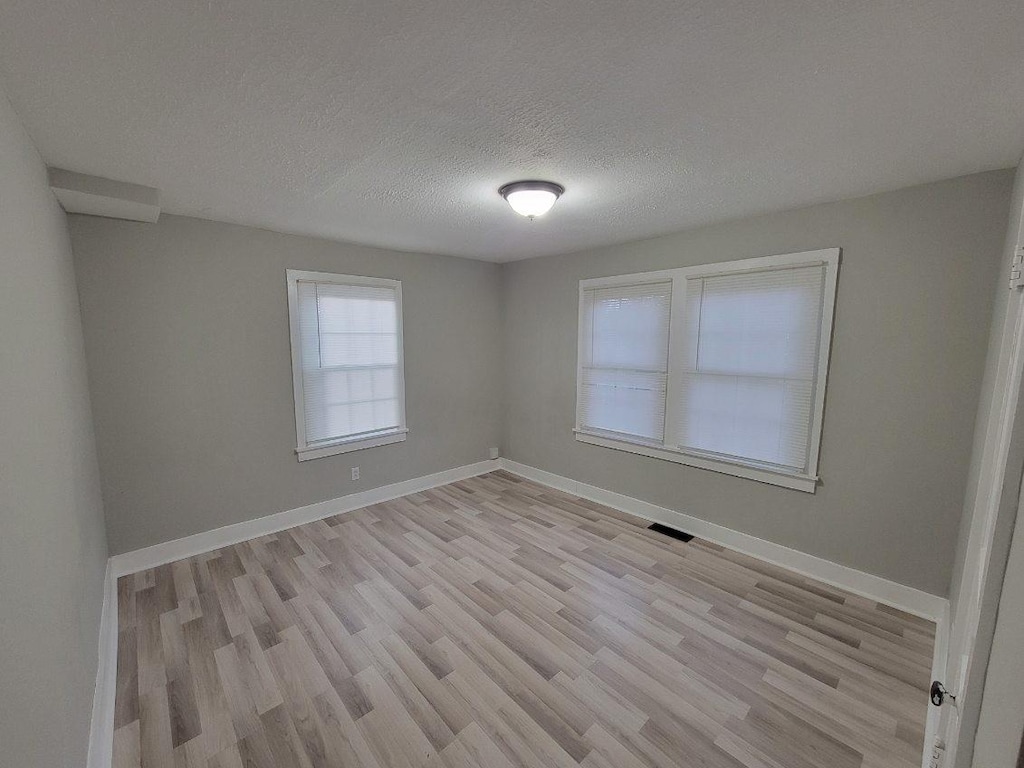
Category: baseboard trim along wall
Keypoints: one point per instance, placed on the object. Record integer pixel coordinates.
(905, 598)
(876, 588)
(101, 735)
(197, 544)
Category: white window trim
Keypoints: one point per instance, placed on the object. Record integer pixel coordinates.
(321, 448)
(807, 482)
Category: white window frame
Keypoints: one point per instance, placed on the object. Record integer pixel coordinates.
(321, 448)
(752, 470)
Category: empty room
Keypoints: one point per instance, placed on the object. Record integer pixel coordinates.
(511, 385)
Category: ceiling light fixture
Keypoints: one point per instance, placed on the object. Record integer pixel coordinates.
(531, 198)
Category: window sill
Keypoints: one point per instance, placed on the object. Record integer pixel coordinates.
(351, 444)
(805, 483)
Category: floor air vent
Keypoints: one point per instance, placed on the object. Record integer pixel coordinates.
(659, 528)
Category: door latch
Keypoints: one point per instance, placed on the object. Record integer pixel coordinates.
(939, 694)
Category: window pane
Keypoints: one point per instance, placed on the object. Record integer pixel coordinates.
(762, 324)
(625, 359)
(630, 329)
(624, 401)
(327, 390)
(357, 325)
(762, 419)
(349, 356)
(750, 351)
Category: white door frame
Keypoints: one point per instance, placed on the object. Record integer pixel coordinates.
(999, 428)
(1001, 716)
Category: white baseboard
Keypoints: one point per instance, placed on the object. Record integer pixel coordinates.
(197, 544)
(867, 585)
(874, 587)
(101, 730)
(101, 734)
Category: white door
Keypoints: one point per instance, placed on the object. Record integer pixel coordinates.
(1001, 719)
(997, 490)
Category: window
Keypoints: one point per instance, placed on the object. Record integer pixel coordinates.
(719, 366)
(347, 372)
(624, 367)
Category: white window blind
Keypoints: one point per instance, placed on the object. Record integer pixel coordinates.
(625, 359)
(719, 366)
(749, 363)
(348, 361)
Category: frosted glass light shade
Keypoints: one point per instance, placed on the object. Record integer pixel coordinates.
(531, 198)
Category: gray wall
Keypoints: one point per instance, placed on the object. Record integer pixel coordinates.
(186, 328)
(911, 329)
(186, 331)
(52, 546)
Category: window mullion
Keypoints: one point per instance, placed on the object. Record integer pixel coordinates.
(676, 352)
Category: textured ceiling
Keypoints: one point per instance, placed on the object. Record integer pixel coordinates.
(394, 123)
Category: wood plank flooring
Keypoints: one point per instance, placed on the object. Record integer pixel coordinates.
(495, 622)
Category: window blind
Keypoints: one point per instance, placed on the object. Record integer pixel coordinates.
(624, 359)
(349, 340)
(748, 365)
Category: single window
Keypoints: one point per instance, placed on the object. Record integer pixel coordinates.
(347, 370)
(720, 366)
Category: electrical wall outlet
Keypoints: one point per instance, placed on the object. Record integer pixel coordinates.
(355, 473)
(494, 453)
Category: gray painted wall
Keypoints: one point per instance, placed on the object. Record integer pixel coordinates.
(186, 328)
(911, 329)
(186, 331)
(52, 545)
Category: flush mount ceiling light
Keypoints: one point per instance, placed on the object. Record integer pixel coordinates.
(531, 198)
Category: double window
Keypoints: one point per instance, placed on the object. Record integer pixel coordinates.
(720, 366)
(347, 370)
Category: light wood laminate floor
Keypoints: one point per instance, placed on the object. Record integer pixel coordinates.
(495, 622)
